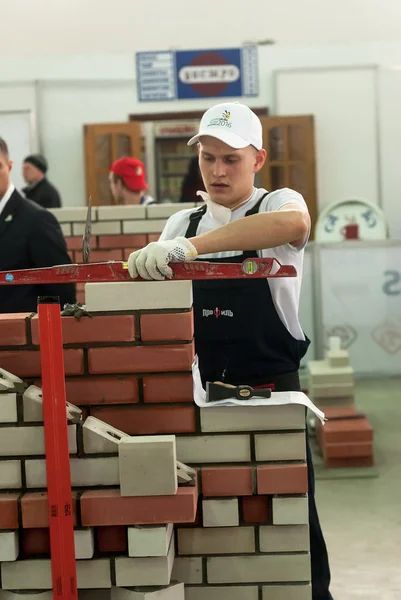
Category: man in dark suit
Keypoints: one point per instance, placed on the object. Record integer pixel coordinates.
(30, 237)
(39, 188)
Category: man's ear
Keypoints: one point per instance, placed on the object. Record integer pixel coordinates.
(260, 159)
(10, 164)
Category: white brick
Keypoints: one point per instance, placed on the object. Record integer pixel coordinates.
(126, 295)
(252, 418)
(284, 538)
(287, 592)
(320, 372)
(10, 474)
(149, 541)
(280, 446)
(328, 402)
(5, 385)
(290, 511)
(9, 546)
(213, 448)
(6, 595)
(84, 543)
(66, 228)
(8, 408)
(120, 213)
(331, 390)
(166, 210)
(188, 569)
(259, 569)
(99, 228)
(209, 592)
(33, 406)
(144, 226)
(145, 571)
(10, 376)
(68, 215)
(217, 540)
(85, 472)
(100, 438)
(28, 441)
(338, 358)
(220, 513)
(147, 465)
(175, 591)
(94, 574)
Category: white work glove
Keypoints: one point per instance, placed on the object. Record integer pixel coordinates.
(152, 261)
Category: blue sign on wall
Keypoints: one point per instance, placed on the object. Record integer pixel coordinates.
(230, 72)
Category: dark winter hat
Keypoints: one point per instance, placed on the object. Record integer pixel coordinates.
(38, 161)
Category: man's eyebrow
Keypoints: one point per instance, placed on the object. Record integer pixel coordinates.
(233, 155)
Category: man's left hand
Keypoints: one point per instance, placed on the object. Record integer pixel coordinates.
(152, 261)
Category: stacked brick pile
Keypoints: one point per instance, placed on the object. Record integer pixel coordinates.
(130, 368)
(117, 230)
(345, 441)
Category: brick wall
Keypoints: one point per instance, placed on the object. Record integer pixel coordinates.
(241, 533)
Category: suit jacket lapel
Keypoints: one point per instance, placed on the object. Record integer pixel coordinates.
(9, 212)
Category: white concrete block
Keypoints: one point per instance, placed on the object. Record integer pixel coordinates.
(8, 407)
(33, 406)
(320, 372)
(9, 546)
(267, 568)
(290, 511)
(280, 446)
(28, 441)
(10, 377)
(232, 592)
(166, 210)
(99, 228)
(10, 474)
(144, 226)
(284, 538)
(252, 418)
(287, 592)
(66, 228)
(331, 390)
(68, 215)
(338, 358)
(216, 540)
(213, 448)
(152, 571)
(84, 543)
(6, 385)
(147, 465)
(85, 472)
(120, 213)
(100, 438)
(94, 574)
(174, 591)
(188, 569)
(150, 295)
(149, 541)
(220, 513)
(6, 595)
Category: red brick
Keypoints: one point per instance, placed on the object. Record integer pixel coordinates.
(110, 328)
(227, 481)
(107, 507)
(9, 511)
(356, 462)
(74, 242)
(111, 539)
(255, 509)
(100, 255)
(13, 329)
(35, 510)
(80, 295)
(168, 388)
(102, 390)
(167, 327)
(141, 359)
(282, 479)
(348, 450)
(26, 363)
(122, 241)
(153, 237)
(343, 431)
(138, 420)
(35, 541)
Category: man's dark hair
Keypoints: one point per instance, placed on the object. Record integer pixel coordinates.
(3, 147)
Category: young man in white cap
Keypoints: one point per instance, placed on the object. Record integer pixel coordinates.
(257, 338)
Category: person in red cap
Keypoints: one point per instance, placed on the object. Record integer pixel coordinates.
(128, 182)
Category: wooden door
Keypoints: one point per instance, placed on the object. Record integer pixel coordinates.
(290, 162)
(103, 144)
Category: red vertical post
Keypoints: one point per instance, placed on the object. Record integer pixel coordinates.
(64, 578)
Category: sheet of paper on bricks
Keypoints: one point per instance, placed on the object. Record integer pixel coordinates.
(239, 531)
(345, 441)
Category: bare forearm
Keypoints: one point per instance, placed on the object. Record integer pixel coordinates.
(256, 232)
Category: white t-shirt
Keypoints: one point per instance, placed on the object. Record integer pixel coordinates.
(286, 290)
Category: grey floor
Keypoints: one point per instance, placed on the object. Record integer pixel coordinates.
(361, 518)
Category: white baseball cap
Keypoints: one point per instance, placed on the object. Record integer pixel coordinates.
(233, 123)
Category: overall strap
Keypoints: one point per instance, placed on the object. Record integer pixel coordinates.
(194, 220)
(255, 209)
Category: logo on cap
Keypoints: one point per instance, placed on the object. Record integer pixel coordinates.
(222, 121)
(138, 171)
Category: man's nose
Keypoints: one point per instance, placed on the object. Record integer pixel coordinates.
(219, 169)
